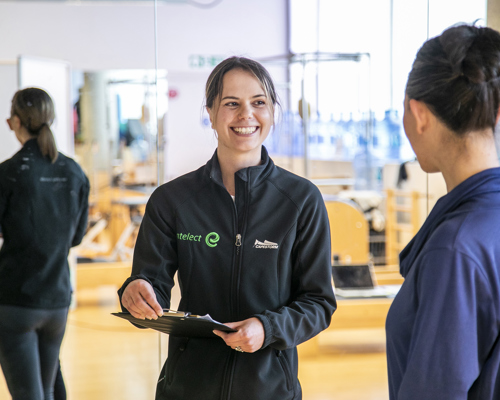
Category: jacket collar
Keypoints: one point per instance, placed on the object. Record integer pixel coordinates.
(253, 175)
(30, 147)
(487, 181)
(31, 144)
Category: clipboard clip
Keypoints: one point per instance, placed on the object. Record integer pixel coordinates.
(175, 313)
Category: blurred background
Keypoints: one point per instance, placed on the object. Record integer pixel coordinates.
(127, 79)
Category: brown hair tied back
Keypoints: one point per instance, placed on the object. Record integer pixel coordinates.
(35, 109)
(457, 74)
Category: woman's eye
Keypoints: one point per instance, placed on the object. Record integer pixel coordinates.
(260, 103)
(231, 104)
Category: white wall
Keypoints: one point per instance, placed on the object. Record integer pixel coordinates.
(116, 35)
(53, 76)
(411, 16)
(182, 133)
(120, 35)
(49, 75)
(8, 86)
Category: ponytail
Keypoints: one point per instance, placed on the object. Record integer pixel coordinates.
(46, 143)
(35, 109)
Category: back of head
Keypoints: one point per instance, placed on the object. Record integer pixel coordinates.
(35, 110)
(213, 88)
(457, 75)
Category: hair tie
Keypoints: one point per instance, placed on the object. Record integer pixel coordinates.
(37, 130)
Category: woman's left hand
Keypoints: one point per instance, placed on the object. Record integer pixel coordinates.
(249, 338)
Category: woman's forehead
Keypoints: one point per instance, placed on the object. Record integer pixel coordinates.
(240, 81)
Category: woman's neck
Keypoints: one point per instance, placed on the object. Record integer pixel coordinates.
(230, 163)
(23, 135)
(469, 156)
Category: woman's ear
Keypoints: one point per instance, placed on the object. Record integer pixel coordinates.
(210, 114)
(422, 114)
(14, 123)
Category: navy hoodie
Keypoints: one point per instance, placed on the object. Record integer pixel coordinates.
(443, 326)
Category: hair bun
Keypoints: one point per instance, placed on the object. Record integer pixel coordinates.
(457, 44)
(476, 55)
(458, 75)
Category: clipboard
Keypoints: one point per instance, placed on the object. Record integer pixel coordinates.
(179, 323)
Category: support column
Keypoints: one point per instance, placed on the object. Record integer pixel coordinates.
(493, 14)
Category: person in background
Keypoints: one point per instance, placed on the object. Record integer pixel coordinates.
(43, 212)
(443, 328)
(59, 385)
(251, 245)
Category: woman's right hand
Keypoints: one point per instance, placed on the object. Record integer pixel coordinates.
(139, 299)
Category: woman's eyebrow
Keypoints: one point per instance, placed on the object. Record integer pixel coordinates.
(237, 98)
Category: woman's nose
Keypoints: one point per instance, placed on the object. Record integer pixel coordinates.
(245, 112)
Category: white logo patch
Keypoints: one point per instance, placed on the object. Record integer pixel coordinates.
(266, 244)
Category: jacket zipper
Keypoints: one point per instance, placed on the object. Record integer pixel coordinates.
(238, 244)
(230, 370)
(228, 375)
(227, 385)
(234, 297)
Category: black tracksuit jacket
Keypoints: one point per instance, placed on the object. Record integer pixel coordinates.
(266, 254)
(43, 213)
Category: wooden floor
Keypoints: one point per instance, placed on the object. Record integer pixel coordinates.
(105, 358)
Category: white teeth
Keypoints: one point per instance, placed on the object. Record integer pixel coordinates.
(245, 131)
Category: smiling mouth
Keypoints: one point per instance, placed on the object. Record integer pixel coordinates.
(246, 130)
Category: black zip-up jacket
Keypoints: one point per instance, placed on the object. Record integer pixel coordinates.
(266, 254)
(43, 212)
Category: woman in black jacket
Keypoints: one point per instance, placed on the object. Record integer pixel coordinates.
(251, 245)
(43, 212)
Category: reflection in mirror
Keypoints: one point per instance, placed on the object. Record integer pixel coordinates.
(118, 123)
(119, 118)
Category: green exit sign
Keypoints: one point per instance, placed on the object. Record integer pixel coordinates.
(200, 61)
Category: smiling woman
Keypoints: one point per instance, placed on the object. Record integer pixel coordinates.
(264, 271)
(240, 101)
(242, 119)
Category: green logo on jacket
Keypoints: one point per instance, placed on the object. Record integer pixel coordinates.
(211, 239)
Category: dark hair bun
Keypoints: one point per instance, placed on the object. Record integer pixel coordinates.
(456, 75)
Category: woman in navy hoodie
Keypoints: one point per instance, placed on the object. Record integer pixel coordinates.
(443, 328)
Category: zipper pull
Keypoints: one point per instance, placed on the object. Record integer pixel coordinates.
(238, 240)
